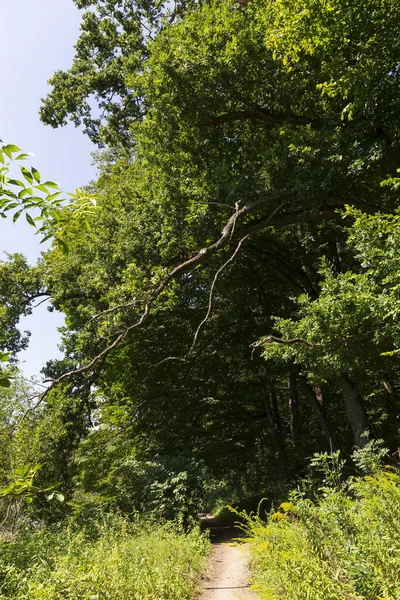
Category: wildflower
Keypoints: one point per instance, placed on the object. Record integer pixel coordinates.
(278, 516)
(287, 506)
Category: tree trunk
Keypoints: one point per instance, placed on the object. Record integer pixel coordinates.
(294, 410)
(320, 396)
(315, 402)
(274, 421)
(355, 411)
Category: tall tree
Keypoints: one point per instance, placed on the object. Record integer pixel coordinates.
(237, 134)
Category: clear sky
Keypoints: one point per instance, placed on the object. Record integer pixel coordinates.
(36, 39)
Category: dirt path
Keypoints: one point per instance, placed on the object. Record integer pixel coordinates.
(228, 574)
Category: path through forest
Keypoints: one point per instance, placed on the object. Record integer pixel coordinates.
(228, 574)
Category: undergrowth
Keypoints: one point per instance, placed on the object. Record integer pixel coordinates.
(114, 560)
(341, 542)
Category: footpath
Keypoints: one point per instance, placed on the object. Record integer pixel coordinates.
(228, 575)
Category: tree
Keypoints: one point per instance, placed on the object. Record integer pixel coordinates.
(348, 336)
(263, 121)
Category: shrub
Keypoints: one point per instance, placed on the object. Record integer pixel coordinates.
(343, 544)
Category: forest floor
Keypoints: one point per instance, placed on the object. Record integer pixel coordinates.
(228, 575)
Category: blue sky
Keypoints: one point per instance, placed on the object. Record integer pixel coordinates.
(36, 39)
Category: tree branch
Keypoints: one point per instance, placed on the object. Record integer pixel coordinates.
(211, 296)
(231, 233)
(290, 342)
(298, 340)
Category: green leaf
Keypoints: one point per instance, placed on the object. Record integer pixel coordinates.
(30, 220)
(25, 192)
(52, 197)
(42, 188)
(7, 490)
(16, 182)
(12, 148)
(17, 215)
(27, 175)
(12, 205)
(24, 156)
(36, 174)
(62, 245)
(51, 184)
(5, 382)
(46, 237)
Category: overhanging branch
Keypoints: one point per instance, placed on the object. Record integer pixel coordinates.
(231, 233)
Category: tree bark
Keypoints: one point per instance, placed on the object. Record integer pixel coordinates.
(355, 410)
(274, 421)
(317, 407)
(294, 410)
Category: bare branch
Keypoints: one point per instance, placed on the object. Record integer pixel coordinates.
(289, 342)
(211, 296)
(102, 355)
(230, 259)
(276, 340)
(30, 381)
(106, 351)
(169, 358)
(30, 409)
(41, 302)
(114, 309)
(205, 253)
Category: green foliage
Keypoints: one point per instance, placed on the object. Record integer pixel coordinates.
(22, 197)
(167, 488)
(22, 484)
(330, 466)
(369, 459)
(285, 112)
(19, 491)
(5, 372)
(20, 285)
(115, 559)
(41, 202)
(344, 544)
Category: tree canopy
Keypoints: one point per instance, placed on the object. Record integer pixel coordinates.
(231, 303)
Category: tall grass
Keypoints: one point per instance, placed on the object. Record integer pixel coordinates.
(115, 561)
(344, 545)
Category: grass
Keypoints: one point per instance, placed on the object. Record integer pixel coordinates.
(115, 560)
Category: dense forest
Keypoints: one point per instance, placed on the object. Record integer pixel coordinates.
(230, 284)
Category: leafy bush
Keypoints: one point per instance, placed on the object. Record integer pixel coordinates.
(345, 544)
(119, 561)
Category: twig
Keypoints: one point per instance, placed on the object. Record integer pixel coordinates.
(41, 302)
(168, 358)
(106, 351)
(114, 309)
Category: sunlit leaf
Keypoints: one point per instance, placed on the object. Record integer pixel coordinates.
(30, 220)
